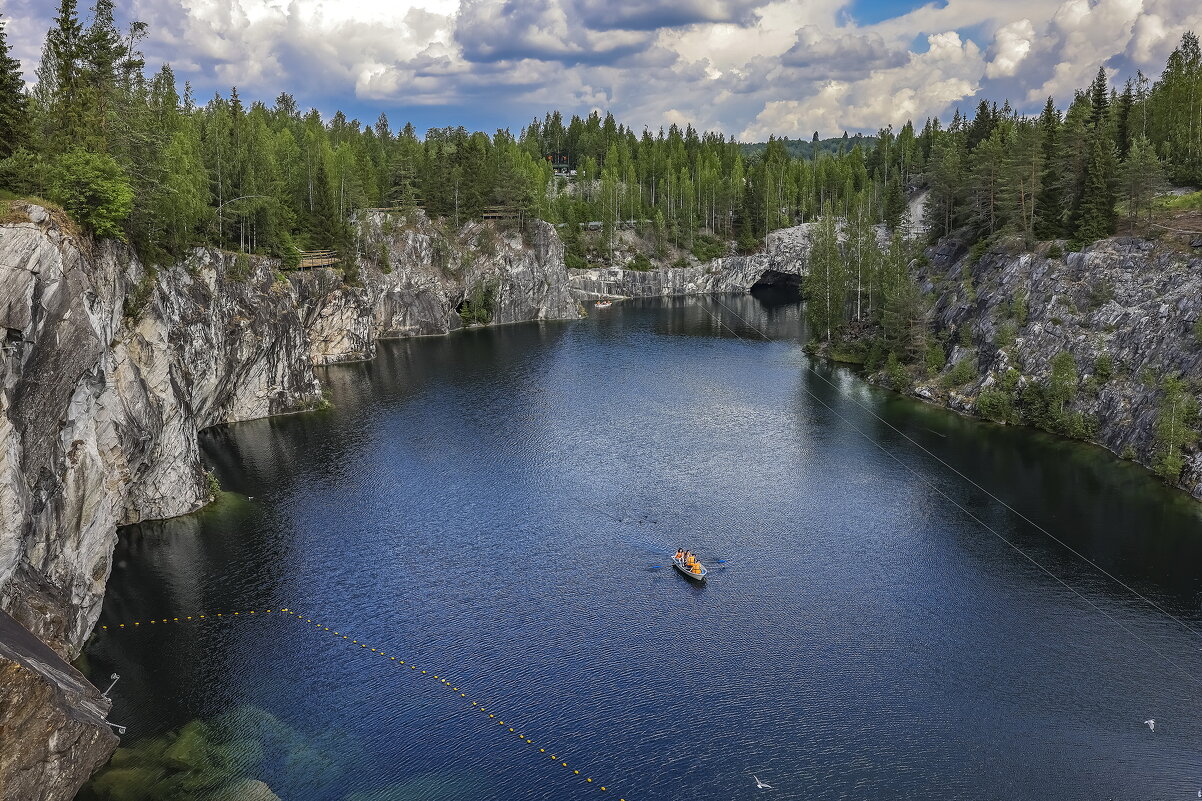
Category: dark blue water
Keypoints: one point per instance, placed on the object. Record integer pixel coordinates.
(865, 637)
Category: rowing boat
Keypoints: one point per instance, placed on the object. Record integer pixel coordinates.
(697, 575)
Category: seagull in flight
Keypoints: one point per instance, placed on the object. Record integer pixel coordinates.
(1150, 723)
(759, 785)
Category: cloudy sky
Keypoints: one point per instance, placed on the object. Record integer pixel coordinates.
(745, 67)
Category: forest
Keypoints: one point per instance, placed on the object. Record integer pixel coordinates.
(135, 156)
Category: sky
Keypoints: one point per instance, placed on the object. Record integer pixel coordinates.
(747, 68)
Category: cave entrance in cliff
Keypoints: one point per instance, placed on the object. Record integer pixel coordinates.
(776, 287)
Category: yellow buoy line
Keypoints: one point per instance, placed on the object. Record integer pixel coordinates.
(401, 663)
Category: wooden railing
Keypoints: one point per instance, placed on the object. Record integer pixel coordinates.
(317, 258)
(500, 213)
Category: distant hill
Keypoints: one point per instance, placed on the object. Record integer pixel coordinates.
(807, 149)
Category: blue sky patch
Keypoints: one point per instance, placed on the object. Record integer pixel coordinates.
(869, 12)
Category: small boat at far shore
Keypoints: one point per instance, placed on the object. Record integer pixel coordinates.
(603, 303)
(687, 563)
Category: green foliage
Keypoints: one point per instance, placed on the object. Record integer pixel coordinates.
(1198, 330)
(896, 375)
(1047, 405)
(997, 402)
(212, 485)
(826, 286)
(748, 244)
(970, 291)
(640, 262)
(874, 358)
(93, 189)
(708, 248)
(1141, 178)
(25, 173)
(1176, 427)
(961, 373)
(383, 256)
(1006, 335)
(1055, 252)
(14, 104)
(935, 358)
(1103, 367)
(574, 260)
(137, 299)
(477, 308)
(845, 352)
(1101, 292)
(241, 268)
(996, 405)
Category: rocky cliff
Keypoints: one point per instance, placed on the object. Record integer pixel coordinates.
(110, 369)
(1124, 309)
(52, 721)
(783, 261)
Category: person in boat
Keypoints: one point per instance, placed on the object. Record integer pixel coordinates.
(679, 554)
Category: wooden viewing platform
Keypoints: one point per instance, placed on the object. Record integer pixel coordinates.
(500, 213)
(317, 258)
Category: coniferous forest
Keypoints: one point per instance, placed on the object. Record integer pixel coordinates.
(136, 156)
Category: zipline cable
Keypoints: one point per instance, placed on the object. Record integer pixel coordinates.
(966, 511)
(995, 498)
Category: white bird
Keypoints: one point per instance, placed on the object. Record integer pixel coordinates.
(1150, 723)
(759, 784)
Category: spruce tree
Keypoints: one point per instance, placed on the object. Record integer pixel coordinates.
(60, 92)
(1122, 113)
(1141, 177)
(14, 105)
(1095, 215)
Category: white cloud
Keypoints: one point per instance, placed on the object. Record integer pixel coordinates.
(752, 66)
(1011, 44)
(926, 84)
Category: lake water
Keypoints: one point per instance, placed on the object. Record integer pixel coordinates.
(499, 507)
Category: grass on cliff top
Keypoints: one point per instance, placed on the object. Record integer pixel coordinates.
(1190, 202)
(12, 210)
